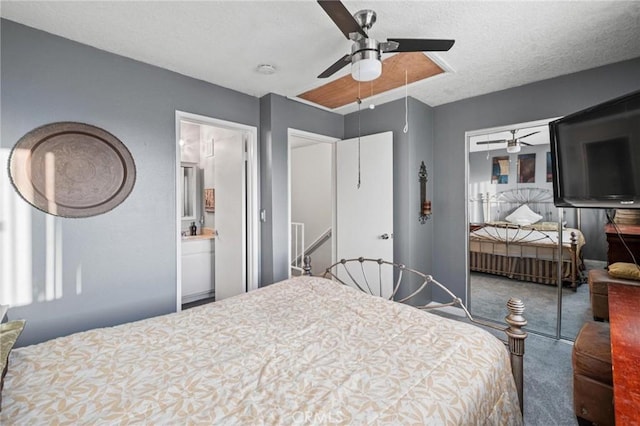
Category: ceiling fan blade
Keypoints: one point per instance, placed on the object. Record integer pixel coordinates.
(530, 134)
(524, 143)
(421, 45)
(337, 66)
(494, 141)
(342, 18)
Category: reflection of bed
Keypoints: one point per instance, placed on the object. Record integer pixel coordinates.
(306, 350)
(527, 253)
(518, 248)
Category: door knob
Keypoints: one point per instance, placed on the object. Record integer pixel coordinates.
(384, 236)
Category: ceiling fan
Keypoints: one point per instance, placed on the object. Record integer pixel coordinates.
(513, 144)
(366, 52)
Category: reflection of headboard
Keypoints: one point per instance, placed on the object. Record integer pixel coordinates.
(496, 207)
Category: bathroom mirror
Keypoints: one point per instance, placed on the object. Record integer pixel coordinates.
(188, 186)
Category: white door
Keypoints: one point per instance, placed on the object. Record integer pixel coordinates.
(364, 217)
(230, 216)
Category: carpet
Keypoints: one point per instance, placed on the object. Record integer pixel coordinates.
(548, 374)
(489, 294)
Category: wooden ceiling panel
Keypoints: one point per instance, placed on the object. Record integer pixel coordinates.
(344, 90)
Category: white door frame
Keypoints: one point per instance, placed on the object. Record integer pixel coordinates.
(316, 138)
(252, 226)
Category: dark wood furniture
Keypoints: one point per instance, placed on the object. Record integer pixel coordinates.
(624, 314)
(617, 252)
(592, 377)
(599, 280)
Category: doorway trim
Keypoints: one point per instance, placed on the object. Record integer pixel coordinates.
(252, 196)
(315, 138)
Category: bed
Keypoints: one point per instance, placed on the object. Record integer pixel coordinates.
(522, 250)
(307, 350)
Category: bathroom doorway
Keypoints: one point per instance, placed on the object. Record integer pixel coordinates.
(216, 209)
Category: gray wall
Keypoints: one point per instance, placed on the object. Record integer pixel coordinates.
(277, 115)
(128, 255)
(413, 242)
(480, 170)
(545, 99)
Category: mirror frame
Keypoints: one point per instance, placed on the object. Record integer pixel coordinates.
(192, 185)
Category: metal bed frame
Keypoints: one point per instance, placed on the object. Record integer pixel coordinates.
(515, 335)
(507, 257)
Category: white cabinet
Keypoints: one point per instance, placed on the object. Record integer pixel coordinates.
(197, 269)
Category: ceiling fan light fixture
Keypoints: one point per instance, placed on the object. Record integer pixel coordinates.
(513, 147)
(366, 69)
(366, 64)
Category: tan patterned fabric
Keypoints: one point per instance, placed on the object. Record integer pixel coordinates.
(304, 351)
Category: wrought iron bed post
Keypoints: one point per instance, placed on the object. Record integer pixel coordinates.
(306, 266)
(574, 261)
(516, 337)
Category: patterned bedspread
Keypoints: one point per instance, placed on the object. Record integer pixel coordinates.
(303, 351)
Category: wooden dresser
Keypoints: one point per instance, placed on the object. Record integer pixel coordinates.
(624, 301)
(616, 251)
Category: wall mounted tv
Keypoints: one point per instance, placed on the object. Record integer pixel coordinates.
(595, 155)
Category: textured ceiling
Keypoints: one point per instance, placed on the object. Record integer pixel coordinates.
(498, 44)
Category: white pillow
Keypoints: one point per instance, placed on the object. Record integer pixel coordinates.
(523, 215)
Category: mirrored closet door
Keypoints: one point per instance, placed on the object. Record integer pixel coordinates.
(519, 242)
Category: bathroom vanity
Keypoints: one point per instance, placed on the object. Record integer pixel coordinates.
(198, 274)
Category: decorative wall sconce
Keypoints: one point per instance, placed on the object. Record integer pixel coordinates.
(425, 205)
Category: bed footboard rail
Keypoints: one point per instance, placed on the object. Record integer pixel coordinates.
(528, 262)
(352, 272)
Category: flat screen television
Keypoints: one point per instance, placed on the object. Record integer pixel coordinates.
(595, 155)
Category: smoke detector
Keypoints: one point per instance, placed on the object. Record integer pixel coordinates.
(266, 69)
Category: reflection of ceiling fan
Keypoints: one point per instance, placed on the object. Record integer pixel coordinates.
(513, 144)
(366, 52)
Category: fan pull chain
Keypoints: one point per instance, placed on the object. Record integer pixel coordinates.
(371, 105)
(406, 104)
(359, 105)
(489, 146)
